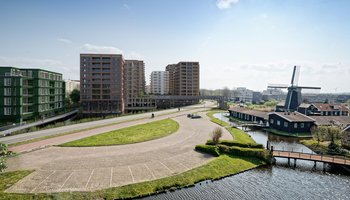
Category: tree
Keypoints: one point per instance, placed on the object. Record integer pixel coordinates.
(3, 154)
(318, 133)
(75, 96)
(216, 135)
(225, 92)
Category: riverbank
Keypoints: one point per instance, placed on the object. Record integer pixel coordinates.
(321, 148)
(286, 134)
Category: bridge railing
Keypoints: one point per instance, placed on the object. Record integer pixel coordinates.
(312, 156)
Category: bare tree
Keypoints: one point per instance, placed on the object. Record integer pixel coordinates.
(318, 133)
(225, 92)
(216, 135)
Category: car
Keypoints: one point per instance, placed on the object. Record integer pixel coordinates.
(189, 115)
(195, 116)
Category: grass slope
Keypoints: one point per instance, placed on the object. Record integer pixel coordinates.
(220, 167)
(238, 135)
(133, 134)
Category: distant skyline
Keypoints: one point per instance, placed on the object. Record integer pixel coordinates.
(238, 43)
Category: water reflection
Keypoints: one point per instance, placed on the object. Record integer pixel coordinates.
(280, 181)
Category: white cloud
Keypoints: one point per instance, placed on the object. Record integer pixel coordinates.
(225, 4)
(89, 48)
(64, 40)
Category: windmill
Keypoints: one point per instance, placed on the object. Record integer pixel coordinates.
(294, 97)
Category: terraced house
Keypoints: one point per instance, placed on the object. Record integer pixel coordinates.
(29, 94)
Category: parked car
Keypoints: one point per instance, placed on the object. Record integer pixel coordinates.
(189, 115)
(195, 116)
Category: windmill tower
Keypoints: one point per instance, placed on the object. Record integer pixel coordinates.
(294, 98)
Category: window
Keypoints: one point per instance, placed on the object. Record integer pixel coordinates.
(7, 101)
(271, 121)
(7, 82)
(285, 124)
(7, 91)
(301, 125)
(295, 125)
(278, 122)
(7, 110)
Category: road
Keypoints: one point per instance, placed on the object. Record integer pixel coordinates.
(59, 169)
(86, 125)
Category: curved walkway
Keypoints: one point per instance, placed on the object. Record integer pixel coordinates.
(90, 168)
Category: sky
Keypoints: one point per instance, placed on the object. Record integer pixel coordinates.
(238, 43)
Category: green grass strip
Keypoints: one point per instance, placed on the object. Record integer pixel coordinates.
(238, 135)
(133, 134)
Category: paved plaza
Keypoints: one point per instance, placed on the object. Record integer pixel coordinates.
(59, 169)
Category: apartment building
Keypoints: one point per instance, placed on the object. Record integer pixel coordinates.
(102, 83)
(242, 94)
(160, 82)
(185, 76)
(71, 85)
(134, 78)
(29, 94)
(171, 70)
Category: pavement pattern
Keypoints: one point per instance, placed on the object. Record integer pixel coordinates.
(62, 169)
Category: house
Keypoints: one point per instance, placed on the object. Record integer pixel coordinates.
(248, 114)
(290, 122)
(327, 109)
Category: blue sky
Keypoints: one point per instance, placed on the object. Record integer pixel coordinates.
(238, 42)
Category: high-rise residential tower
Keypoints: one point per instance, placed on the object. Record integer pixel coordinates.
(134, 78)
(102, 83)
(184, 78)
(160, 82)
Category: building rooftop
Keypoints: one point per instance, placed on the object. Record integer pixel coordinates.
(294, 116)
(256, 113)
(329, 120)
(330, 107)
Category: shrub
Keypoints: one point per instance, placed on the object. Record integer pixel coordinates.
(249, 152)
(216, 135)
(212, 150)
(238, 144)
(3, 153)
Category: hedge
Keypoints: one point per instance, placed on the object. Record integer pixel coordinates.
(212, 150)
(238, 144)
(249, 152)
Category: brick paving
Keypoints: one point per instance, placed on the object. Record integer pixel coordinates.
(59, 169)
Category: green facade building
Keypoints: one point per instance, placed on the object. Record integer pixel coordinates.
(29, 94)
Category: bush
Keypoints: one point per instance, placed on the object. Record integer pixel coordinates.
(216, 135)
(238, 144)
(248, 152)
(212, 150)
(3, 153)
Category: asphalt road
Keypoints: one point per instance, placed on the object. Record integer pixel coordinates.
(86, 125)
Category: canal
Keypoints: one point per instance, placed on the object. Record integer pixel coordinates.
(279, 181)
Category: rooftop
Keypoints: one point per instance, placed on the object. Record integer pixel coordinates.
(330, 107)
(328, 120)
(247, 111)
(293, 116)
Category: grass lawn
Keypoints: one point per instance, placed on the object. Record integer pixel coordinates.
(222, 166)
(238, 135)
(133, 134)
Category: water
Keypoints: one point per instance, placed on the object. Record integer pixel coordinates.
(273, 182)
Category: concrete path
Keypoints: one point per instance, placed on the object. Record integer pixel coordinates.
(81, 126)
(91, 168)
